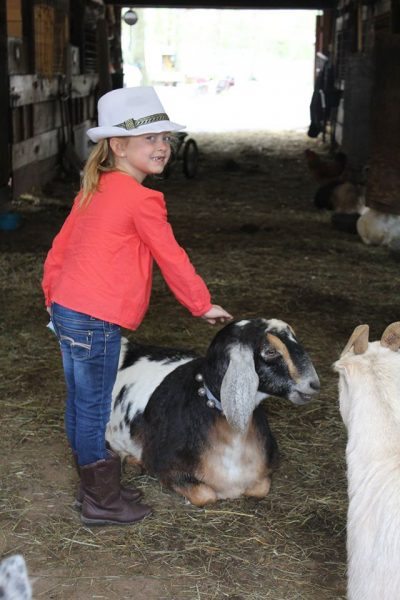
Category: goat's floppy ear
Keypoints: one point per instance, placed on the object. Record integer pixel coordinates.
(391, 336)
(239, 388)
(358, 340)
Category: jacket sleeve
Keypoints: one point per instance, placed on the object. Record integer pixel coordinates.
(54, 260)
(152, 226)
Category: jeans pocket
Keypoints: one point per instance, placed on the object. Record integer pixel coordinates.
(79, 343)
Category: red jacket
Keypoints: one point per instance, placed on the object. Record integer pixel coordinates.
(101, 261)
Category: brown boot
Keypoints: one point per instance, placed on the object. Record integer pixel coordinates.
(129, 494)
(102, 501)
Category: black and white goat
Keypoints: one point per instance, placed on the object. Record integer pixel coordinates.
(14, 579)
(195, 422)
(369, 400)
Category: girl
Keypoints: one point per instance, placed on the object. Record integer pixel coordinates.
(98, 277)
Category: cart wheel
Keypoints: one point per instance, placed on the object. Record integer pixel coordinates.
(190, 158)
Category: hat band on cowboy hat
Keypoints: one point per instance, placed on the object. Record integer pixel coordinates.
(134, 123)
(141, 111)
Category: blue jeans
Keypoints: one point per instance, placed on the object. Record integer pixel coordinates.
(90, 351)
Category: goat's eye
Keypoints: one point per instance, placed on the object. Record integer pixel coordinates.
(269, 354)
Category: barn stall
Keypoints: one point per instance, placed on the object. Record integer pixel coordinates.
(250, 227)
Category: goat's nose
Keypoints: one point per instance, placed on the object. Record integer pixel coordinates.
(315, 385)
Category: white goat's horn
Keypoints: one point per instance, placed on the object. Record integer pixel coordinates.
(358, 340)
(391, 336)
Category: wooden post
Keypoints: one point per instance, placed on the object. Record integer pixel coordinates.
(105, 84)
(5, 167)
(359, 26)
(28, 33)
(383, 184)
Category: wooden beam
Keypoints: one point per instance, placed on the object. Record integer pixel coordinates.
(251, 4)
(83, 85)
(28, 33)
(30, 89)
(35, 149)
(27, 89)
(103, 57)
(5, 165)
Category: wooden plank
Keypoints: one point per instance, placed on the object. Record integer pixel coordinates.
(14, 10)
(83, 85)
(27, 117)
(28, 33)
(27, 89)
(14, 14)
(44, 39)
(46, 116)
(103, 54)
(357, 115)
(17, 124)
(35, 149)
(14, 29)
(13, 4)
(291, 4)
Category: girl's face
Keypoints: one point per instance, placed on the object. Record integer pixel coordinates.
(142, 155)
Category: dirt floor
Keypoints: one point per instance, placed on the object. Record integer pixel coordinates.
(248, 223)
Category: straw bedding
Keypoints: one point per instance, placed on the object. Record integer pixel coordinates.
(248, 223)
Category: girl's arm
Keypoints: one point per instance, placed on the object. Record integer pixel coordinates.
(188, 287)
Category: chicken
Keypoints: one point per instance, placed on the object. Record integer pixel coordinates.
(326, 169)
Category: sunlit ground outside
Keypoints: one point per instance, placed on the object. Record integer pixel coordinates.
(253, 70)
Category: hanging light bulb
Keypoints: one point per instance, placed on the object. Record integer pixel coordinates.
(130, 17)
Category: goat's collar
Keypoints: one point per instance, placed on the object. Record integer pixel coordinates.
(205, 392)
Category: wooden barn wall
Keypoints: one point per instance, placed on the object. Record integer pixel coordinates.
(14, 18)
(58, 54)
(366, 48)
(371, 101)
(4, 109)
(355, 137)
(53, 87)
(383, 189)
(44, 120)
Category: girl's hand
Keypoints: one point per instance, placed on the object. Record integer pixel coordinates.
(216, 314)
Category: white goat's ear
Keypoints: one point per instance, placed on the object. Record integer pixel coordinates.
(391, 336)
(239, 388)
(358, 340)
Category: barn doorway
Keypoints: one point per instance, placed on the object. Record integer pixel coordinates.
(225, 70)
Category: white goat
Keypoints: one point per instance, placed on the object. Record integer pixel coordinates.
(378, 229)
(369, 398)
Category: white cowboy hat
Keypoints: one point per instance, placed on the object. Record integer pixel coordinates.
(131, 111)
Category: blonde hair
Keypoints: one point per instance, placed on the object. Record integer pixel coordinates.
(101, 160)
